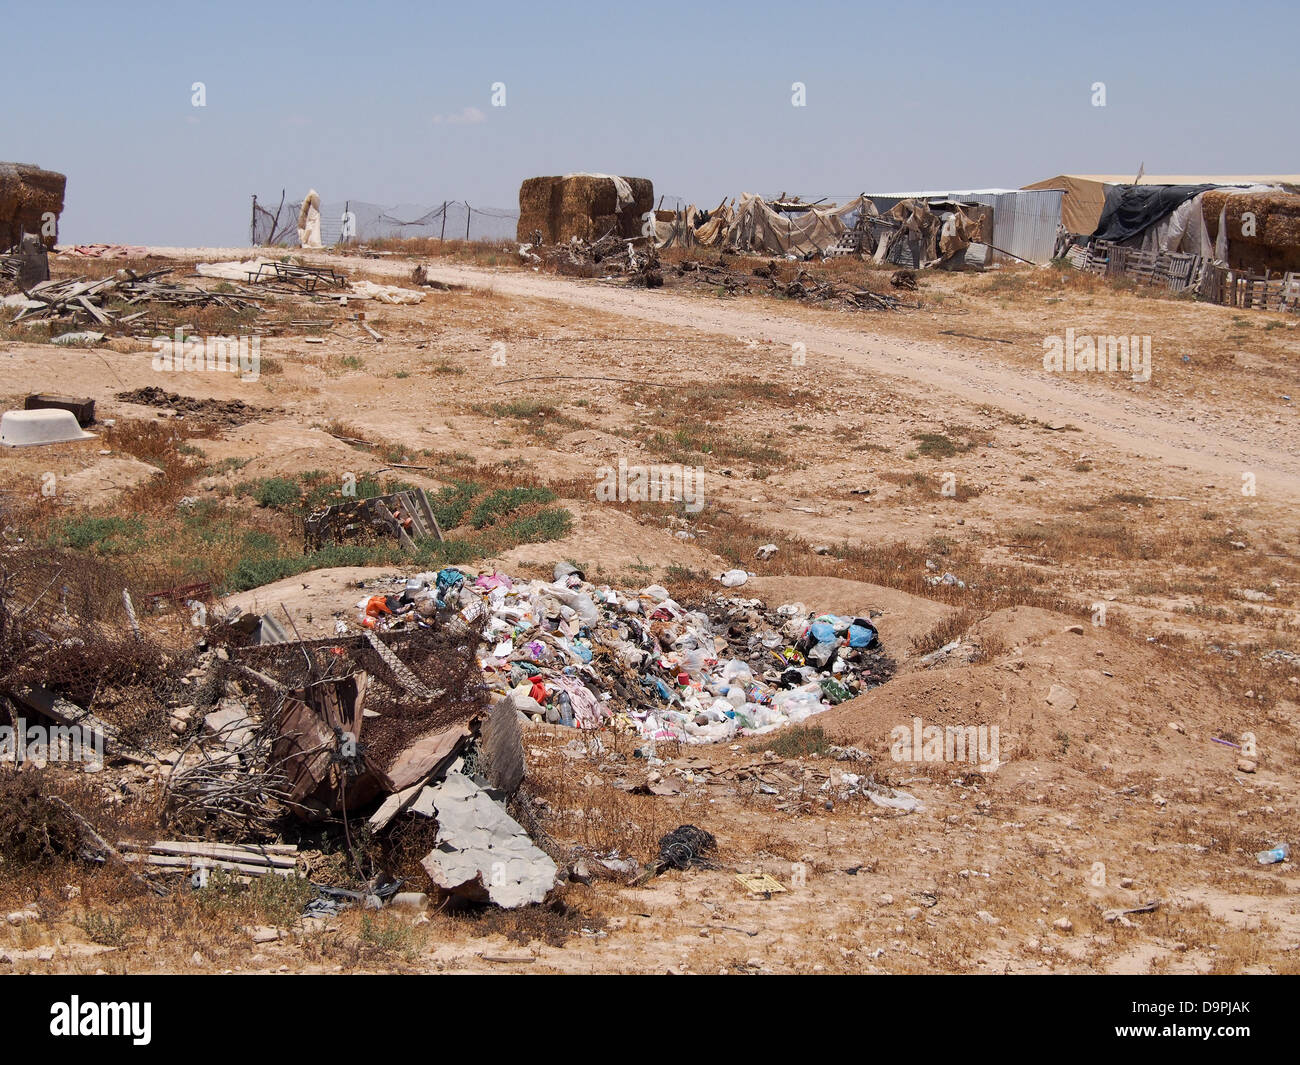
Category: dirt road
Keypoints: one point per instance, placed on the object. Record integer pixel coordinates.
(1135, 423)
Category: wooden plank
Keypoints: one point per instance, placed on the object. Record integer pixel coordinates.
(422, 499)
(424, 757)
(403, 537)
(412, 511)
(166, 861)
(394, 805)
(94, 311)
(284, 856)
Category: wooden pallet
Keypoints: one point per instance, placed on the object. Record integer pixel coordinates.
(407, 515)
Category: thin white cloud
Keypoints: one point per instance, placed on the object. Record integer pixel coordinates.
(467, 116)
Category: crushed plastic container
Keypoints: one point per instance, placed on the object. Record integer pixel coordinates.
(1273, 855)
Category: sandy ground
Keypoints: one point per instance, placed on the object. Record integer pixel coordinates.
(1111, 793)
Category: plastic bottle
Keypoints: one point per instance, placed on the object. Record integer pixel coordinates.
(1272, 856)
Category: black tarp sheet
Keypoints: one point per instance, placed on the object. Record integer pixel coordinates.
(1132, 208)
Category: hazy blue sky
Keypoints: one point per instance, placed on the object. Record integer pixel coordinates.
(391, 103)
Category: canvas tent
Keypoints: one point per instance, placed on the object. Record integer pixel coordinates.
(756, 227)
(1085, 194)
(753, 226)
(1245, 227)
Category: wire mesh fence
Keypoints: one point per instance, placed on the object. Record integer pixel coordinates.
(275, 222)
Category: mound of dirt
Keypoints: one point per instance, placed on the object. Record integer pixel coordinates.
(1056, 688)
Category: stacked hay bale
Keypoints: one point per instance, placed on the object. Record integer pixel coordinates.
(585, 206)
(538, 209)
(27, 195)
(1271, 242)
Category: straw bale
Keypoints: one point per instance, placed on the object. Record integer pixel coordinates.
(1275, 242)
(26, 193)
(581, 206)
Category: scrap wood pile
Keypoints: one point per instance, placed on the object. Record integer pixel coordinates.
(238, 743)
(11, 263)
(409, 722)
(634, 258)
(110, 301)
(358, 729)
(317, 283)
(765, 278)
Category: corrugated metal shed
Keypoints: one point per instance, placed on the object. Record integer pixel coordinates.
(1024, 221)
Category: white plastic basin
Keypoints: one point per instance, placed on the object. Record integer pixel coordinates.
(24, 428)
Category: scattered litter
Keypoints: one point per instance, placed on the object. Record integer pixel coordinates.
(84, 339)
(685, 847)
(760, 884)
(1121, 917)
(897, 800)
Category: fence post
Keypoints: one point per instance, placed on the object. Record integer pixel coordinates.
(252, 225)
(442, 236)
(469, 213)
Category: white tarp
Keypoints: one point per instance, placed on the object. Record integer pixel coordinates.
(233, 270)
(391, 294)
(621, 187)
(309, 221)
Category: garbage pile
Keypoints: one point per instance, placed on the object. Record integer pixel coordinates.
(586, 656)
(253, 747)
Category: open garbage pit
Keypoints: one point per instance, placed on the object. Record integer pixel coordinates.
(572, 653)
